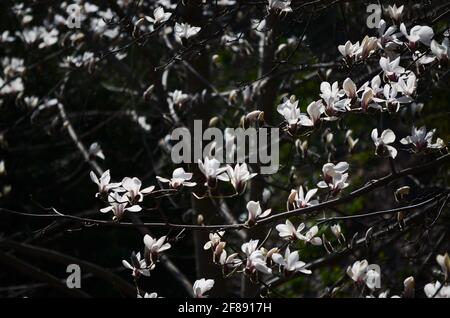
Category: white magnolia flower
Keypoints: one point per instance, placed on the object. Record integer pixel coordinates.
(392, 69)
(330, 93)
(298, 200)
(421, 139)
(386, 37)
(159, 16)
(201, 286)
(103, 183)
(315, 110)
(395, 13)
(229, 261)
(256, 260)
(289, 232)
(357, 271)
(337, 231)
(367, 47)
(214, 240)
(255, 212)
(212, 171)
(138, 265)
(179, 179)
(391, 100)
(436, 290)
(178, 97)
(291, 113)
(132, 186)
(155, 246)
(382, 143)
(119, 205)
(290, 262)
(372, 279)
(409, 86)
(239, 176)
(185, 31)
(280, 5)
(148, 295)
(350, 141)
(418, 33)
(336, 184)
(441, 51)
(444, 263)
(348, 50)
(330, 170)
(310, 236)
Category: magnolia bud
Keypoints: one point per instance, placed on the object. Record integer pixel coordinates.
(444, 263)
(200, 219)
(409, 284)
(401, 194)
(213, 121)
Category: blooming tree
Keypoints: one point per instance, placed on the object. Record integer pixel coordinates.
(87, 119)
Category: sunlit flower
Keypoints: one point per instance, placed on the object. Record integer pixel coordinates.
(298, 199)
(138, 265)
(436, 290)
(289, 232)
(395, 12)
(382, 143)
(441, 51)
(357, 271)
(155, 246)
(418, 33)
(255, 212)
(201, 286)
(132, 186)
(184, 31)
(239, 176)
(159, 16)
(392, 69)
(103, 183)
(310, 236)
(212, 171)
(119, 205)
(179, 179)
(290, 262)
(421, 139)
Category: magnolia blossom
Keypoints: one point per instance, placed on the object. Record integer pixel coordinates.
(367, 47)
(255, 212)
(178, 97)
(214, 239)
(409, 286)
(289, 232)
(184, 31)
(357, 271)
(103, 183)
(372, 279)
(444, 263)
(310, 236)
(290, 262)
(350, 141)
(155, 246)
(159, 16)
(298, 200)
(386, 37)
(330, 170)
(239, 176)
(421, 139)
(395, 13)
(330, 92)
(201, 286)
(382, 143)
(212, 171)
(391, 100)
(280, 5)
(148, 295)
(179, 179)
(392, 69)
(418, 33)
(441, 51)
(132, 186)
(348, 50)
(138, 265)
(315, 110)
(409, 86)
(291, 113)
(118, 205)
(436, 290)
(229, 261)
(256, 260)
